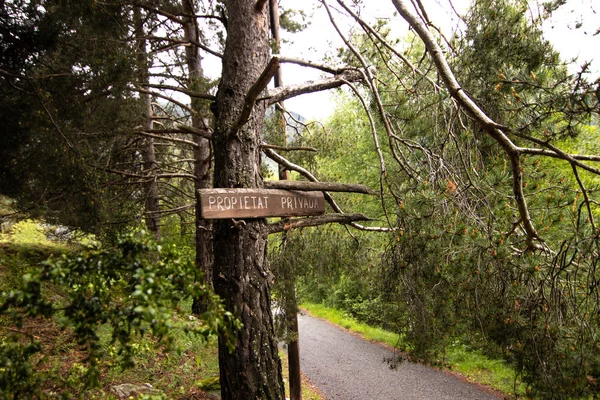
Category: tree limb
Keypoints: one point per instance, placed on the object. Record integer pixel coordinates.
(304, 172)
(561, 156)
(287, 148)
(284, 226)
(168, 98)
(310, 64)
(190, 93)
(287, 92)
(182, 129)
(172, 17)
(367, 28)
(172, 210)
(254, 92)
(318, 186)
(558, 153)
(177, 140)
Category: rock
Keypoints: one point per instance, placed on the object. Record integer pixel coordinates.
(126, 390)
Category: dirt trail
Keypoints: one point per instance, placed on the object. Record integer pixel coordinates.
(346, 367)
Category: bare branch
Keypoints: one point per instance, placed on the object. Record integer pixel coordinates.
(585, 196)
(171, 139)
(287, 92)
(318, 186)
(560, 156)
(146, 178)
(172, 17)
(310, 64)
(398, 54)
(190, 93)
(172, 210)
(286, 225)
(205, 133)
(168, 98)
(304, 172)
(181, 129)
(289, 148)
(185, 42)
(289, 165)
(255, 90)
(558, 153)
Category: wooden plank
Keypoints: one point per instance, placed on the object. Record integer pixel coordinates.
(259, 203)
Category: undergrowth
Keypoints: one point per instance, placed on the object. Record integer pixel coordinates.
(42, 354)
(51, 344)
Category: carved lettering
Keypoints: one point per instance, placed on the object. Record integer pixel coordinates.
(254, 203)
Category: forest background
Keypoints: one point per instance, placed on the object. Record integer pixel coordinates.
(481, 145)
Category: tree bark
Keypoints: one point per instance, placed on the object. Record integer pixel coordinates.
(241, 276)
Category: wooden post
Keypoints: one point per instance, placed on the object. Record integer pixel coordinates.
(292, 313)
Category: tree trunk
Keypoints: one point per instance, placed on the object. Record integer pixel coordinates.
(151, 201)
(241, 276)
(202, 153)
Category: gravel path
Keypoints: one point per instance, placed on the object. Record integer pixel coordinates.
(345, 367)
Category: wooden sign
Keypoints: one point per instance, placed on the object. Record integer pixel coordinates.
(259, 203)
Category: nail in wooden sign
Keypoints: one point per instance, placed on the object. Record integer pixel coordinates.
(259, 203)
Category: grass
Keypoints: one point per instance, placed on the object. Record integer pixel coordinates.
(484, 370)
(342, 319)
(459, 358)
(180, 374)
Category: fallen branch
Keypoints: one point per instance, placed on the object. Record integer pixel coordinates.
(492, 128)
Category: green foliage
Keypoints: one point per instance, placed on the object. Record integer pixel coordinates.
(293, 20)
(25, 232)
(456, 271)
(65, 102)
(130, 290)
(346, 321)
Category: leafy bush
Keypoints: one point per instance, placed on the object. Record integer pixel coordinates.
(130, 290)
